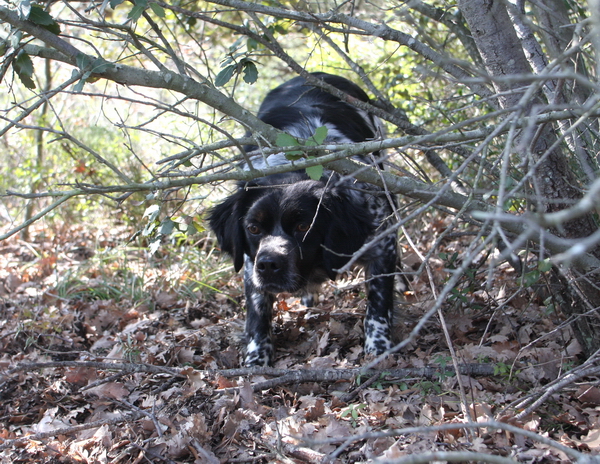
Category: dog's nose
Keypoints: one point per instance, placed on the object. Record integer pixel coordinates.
(267, 266)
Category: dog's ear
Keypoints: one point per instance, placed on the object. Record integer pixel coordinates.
(227, 221)
(349, 227)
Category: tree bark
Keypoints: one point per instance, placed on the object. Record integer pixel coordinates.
(554, 184)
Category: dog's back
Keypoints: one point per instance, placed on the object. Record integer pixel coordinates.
(299, 109)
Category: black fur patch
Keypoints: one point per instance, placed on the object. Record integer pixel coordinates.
(291, 233)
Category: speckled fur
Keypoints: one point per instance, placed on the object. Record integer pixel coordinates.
(291, 233)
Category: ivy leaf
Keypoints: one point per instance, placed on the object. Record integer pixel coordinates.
(225, 75)
(250, 72)
(315, 172)
(38, 16)
(23, 66)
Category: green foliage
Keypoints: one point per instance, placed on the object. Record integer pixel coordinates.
(138, 8)
(89, 66)
(23, 66)
(444, 362)
(286, 140)
(237, 62)
(352, 412)
(531, 278)
(42, 18)
(428, 387)
(506, 371)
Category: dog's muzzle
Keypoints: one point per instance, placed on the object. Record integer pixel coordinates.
(272, 266)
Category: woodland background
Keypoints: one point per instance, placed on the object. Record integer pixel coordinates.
(121, 123)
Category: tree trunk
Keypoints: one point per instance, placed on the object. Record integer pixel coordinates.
(554, 183)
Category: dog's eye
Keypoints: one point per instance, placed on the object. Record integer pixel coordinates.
(253, 229)
(303, 227)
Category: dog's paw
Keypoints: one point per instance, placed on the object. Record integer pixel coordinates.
(378, 336)
(259, 353)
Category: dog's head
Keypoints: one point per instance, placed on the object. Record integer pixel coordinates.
(294, 230)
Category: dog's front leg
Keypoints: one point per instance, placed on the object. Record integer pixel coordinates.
(378, 320)
(259, 312)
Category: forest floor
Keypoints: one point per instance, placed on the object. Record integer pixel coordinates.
(108, 354)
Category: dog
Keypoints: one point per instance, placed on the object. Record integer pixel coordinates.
(291, 233)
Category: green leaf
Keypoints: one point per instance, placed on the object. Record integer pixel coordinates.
(83, 61)
(136, 13)
(166, 227)
(79, 86)
(198, 226)
(191, 22)
(23, 66)
(545, 265)
(15, 39)
(320, 135)
(250, 72)
(252, 44)
(158, 10)
(138, 9)
(315, 172)
(286, 140)
(89, 65)
(236, 45)
(530, 278)
(149, 229)
(294, 155)
(115, 3)
(100, 65)
(38, 16)
(151, 212)
(225, 75)
(24, 63)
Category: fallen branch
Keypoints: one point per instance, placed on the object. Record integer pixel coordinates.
(281, 376)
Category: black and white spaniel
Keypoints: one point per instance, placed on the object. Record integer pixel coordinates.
(291, 233)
